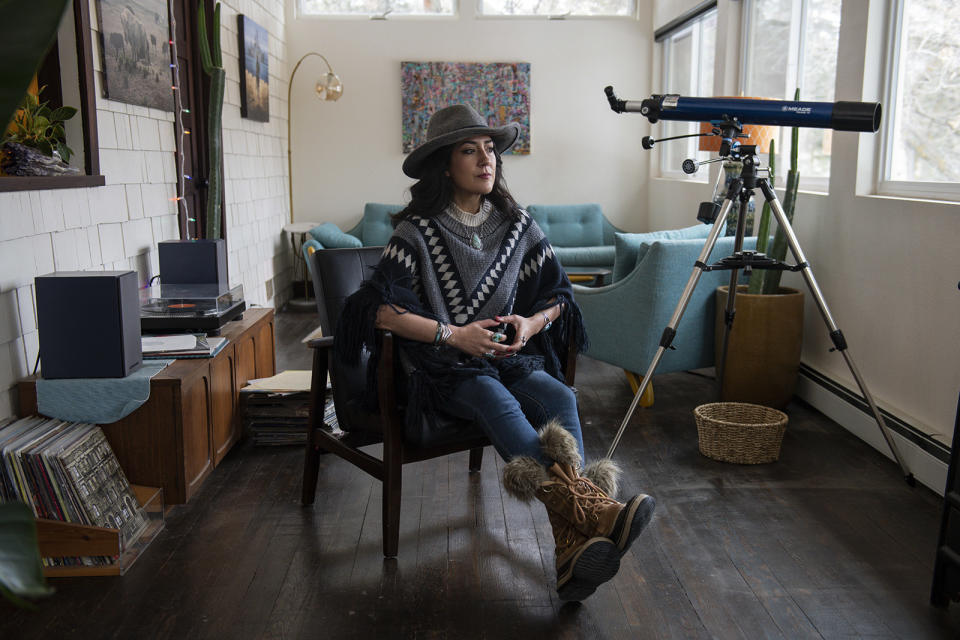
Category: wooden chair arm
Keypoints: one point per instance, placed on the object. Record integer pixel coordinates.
(323, 342)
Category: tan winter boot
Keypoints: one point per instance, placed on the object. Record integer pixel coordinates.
(587, 500)
(583, 563)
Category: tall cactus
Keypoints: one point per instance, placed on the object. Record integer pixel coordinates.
(763, 231)
(210, 56)
(771, 280)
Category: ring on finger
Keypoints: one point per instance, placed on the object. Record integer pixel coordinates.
(523, 341)
(489, 354)
(498, 337)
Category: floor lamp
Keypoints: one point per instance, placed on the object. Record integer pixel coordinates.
(329, 87)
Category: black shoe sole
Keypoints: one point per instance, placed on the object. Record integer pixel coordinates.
(632, 520)
(596, 562)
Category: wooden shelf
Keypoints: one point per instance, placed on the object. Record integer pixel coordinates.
(66, 539)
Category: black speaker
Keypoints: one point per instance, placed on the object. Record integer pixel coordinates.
(89, 323)
(193, 262)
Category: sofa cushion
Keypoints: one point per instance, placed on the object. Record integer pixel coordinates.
(585, 256)
(376, 226)
(631, 247)
(331, 237)
(571, 225)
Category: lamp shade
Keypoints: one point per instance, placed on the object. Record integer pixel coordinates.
(330, 87)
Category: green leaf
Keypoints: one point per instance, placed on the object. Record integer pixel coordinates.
(26, 38)
(21, 573)
(63, 113)
(203, 38)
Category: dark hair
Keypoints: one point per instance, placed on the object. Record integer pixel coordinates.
(433, 192)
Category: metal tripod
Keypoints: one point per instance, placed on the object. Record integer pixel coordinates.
(742, 189)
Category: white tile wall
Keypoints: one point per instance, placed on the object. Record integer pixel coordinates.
(118, 225)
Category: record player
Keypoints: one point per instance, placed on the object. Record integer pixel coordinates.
(189, 307)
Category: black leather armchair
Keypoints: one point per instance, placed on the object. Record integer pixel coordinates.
(337, 273)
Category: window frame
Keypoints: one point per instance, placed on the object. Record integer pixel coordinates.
(915, 189)
(300, 14)
(480, 15)
(668, 34)
(87, 113)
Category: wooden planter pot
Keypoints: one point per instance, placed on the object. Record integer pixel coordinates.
(764, 352)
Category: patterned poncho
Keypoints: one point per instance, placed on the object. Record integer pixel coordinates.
(440, 268)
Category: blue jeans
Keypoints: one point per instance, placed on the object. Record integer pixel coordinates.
(511, 416)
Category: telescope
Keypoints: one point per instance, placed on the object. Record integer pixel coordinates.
(839, 116)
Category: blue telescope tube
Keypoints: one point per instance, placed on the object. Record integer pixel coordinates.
(840, 116)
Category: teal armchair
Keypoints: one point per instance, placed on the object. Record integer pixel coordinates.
(373, 230)
(625, 319)
(580, 234)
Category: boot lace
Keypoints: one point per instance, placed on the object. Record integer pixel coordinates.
(587, 499)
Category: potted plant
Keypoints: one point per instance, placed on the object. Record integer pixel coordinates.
(35, 142)
(763, 349)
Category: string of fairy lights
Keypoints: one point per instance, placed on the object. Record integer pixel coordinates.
(178, 112)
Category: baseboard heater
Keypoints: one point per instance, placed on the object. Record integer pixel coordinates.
(934, 447)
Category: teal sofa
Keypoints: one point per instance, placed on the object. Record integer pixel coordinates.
(580, 234)
(626, 318)
(373, 230)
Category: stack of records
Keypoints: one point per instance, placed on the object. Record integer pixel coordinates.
(272, 418)
(67, 471)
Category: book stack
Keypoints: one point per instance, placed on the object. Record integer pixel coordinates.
(276, 410)
(67, 471)
(272, 418)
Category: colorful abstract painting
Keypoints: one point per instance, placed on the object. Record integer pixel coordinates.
(500, 91)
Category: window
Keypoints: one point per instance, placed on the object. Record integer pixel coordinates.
(377, 8)
(922, 105)
(792, 44)
(558, 8)
(688, 53)
(67, 74)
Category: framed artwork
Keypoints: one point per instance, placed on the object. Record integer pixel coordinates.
(500, 91)
(254, 70)
(135, 47)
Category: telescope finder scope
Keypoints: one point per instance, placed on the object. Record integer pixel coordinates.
(839, 116)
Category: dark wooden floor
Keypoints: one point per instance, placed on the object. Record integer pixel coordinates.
(829, 542)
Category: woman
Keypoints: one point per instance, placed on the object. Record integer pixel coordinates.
(464, 269)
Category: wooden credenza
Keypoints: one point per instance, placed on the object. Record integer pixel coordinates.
(190, 421)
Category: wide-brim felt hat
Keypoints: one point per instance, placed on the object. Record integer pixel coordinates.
(453, 124)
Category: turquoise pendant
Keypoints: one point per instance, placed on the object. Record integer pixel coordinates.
(476, 242)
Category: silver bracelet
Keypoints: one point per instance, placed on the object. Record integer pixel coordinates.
(546, 322)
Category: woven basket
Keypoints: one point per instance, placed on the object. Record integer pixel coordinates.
(740, 432)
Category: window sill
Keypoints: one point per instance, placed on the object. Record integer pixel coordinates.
(40, 183)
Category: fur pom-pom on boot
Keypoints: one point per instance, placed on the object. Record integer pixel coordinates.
(522, 476)
(605, 473)
(559, 445)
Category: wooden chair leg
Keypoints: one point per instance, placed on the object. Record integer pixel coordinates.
(476, 458)
(392, 480)
(311, 471)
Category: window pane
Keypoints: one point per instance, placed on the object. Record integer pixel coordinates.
(688, 71)
(678, 78)
(927, 117)
(377, 7)
(793, 43)
(819, 79)
(557, 7)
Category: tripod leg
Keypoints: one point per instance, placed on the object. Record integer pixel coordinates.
(671, 330)
(731, 309)
(836, 335)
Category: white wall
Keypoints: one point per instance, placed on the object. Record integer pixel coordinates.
(117, 226)
(888, 267)
(348, 152)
